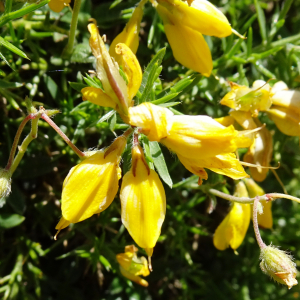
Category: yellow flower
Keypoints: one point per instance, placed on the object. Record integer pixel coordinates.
(58, 5)
(253, 99)
(92, 185)
(184, 31)
(231, 232)
(130, 34)
(265, 220)
(131, 266)
(143, 202)
(154, 120)
(116, 93)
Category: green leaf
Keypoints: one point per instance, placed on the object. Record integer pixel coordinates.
(12, 48)
(77, 86)
(165, 98)
(150, 74)
(106, 116)
(261, 20)
(6, 61)
(146, 146)
(7, 85)
(160, 163)
(93, 82)
(113, 122)
(10, 220)
(169, 104)
(105, 263)
(81, 54)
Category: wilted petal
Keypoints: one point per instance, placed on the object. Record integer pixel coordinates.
(143, 201)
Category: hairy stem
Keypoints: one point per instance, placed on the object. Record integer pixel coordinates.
(260, 242)
(64, 137)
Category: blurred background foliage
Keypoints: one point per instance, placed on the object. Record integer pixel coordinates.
(81, 264)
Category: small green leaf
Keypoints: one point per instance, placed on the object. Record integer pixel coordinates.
(77, 86)
(10, 220)
(261, 20)
(12, 48)
(160, 163)
(6, 61)
(105, 263)
(150, 75)
(106, 116)
(81, 54)
(165, 98)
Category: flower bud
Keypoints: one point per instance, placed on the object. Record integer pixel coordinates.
(5, 183)
(132, 266)
(279, 265)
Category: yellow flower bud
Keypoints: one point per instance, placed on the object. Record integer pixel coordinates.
(279, 265)
(200, 15)
(58, 5)
(225, 121)
(255, 99)
(91, 186)
(5, 183)
(154, 120)
(287, 120)
(188, 45)
(231, 232)
(264, 220)
(143, 202)
(131, 266)
(130, 35)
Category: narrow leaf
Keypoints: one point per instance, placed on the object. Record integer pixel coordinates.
(12, 48)
(10, 220)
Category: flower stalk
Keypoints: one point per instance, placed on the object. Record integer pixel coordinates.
(260, 242)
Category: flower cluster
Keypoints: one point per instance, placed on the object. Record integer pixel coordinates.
(200, 143)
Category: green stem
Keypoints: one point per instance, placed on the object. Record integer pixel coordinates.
(69, 48)
(245, 200)
(260, 242)
(64, 137)
(8, 5)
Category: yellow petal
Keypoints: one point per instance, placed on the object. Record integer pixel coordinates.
(200, 136)
(231, 232)
(130, 34)
(91, 186)
(131, 68)
(225, 164)
(98, 97)
(288, 99)
(62, 224)
(201, 16)
(225, 121)
(143, 201)
(188, 45)
(108, 71)
(154, 120)
(287, 120)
